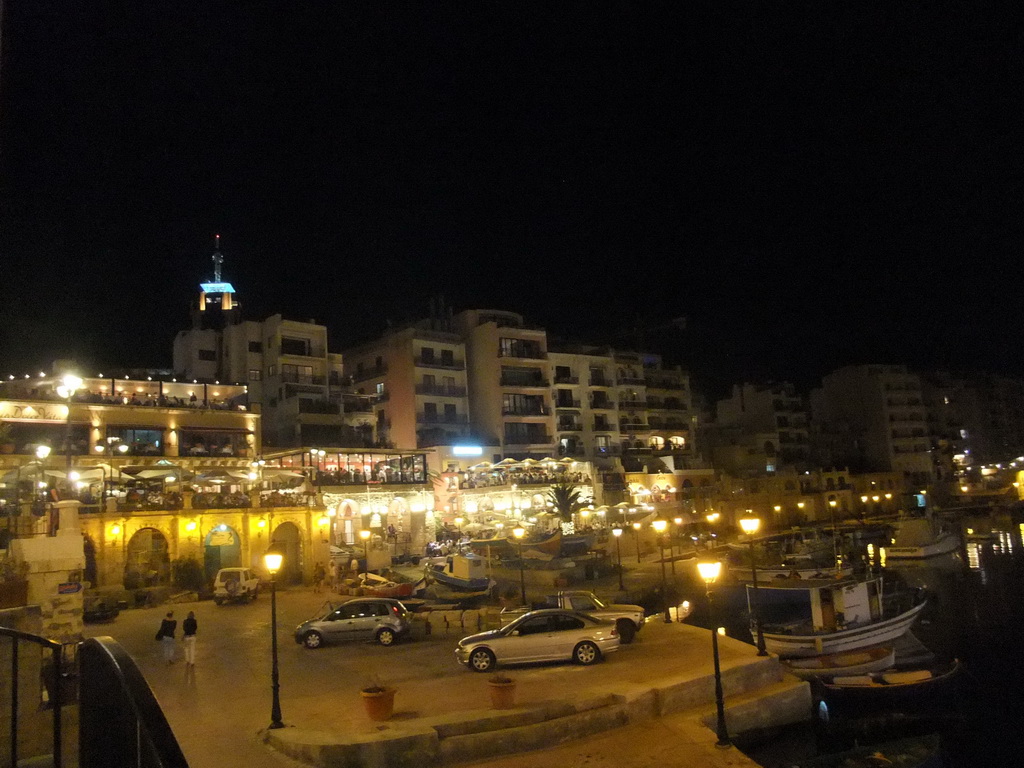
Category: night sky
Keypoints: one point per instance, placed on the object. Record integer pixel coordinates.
(809, 186)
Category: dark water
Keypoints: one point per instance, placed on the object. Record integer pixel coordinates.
(975, 614)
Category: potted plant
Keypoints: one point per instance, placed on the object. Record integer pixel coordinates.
(13, 583)
(503, 691)
(379, 700)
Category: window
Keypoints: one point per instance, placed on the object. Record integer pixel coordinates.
(449, 412)
(447, 357)
(255, 346)
(519, 348)
(295, 347)
(255, 374)
(207, 354)
(428, 382)
(271, 370)
(380, 388)
(427, 354)
(430, 411)
(563, 623)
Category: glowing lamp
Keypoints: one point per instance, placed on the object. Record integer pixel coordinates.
(273, 558)
(616, 532)
(519, 532)
(365, 534)
(750, 525)
(324, 520)
(709, 571)
(659, 525)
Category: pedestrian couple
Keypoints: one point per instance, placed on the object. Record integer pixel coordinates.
(166, 636)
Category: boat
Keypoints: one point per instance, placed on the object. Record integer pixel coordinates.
(795, 569)
(889, 687)
(917, 538)
(492, 546)
(820, 617)
(377, 586)
(859, 662)
(460, 572)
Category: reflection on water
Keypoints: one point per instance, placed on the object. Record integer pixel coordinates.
(975, 613)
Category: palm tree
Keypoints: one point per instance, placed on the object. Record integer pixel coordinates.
(566, 498)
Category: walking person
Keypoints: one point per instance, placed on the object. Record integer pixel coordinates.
(166, 636)
(319, 574)
(188, 630)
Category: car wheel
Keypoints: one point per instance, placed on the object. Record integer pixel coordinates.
(386, 636)
(586, 653)
(627, 631)
(313, 640)
(481, 660)
(253, 595)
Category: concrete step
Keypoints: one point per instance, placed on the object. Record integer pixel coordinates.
(786, 702)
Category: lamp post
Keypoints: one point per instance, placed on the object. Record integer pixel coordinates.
(519, 532)
(659, 528)
(617, 533)
(273, 558)
(709, 572)
(365, 534)
(750, 526)
(832, 503)
(42, 451)
(636, 535)
(69, 385)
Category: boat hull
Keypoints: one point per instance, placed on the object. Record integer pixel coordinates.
(825, 643)
(457, 583)
(943, 546)
(858, 662)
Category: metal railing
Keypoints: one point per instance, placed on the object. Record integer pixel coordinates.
(120, 721)
(55, 691)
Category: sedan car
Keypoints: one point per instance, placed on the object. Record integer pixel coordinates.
(368, 618)
(550, 634)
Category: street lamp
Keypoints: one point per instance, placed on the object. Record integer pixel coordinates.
(636, 535)
(709, 572)
(750, 526)
(365, 534)
(832, 503)
(42, 451)
(69, 385)
(519, 532)
(659, 528)
(273, 558)
(617, 533)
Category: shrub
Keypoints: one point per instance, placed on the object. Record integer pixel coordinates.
(187, 573)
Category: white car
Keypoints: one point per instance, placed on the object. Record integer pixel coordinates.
(235, 585)
(550, 634)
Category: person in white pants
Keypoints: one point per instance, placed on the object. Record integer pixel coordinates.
(188, 628)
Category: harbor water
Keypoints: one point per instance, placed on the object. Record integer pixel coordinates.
(975, 613)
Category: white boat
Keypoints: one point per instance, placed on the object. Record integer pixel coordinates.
(917, 537)
(859, 662)
(821, 617)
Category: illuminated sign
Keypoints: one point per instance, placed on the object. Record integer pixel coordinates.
(467, 450)
(217, 287)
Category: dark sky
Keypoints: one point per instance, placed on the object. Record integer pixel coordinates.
(810, 185)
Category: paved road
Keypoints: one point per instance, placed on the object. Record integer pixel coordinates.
(218, 710)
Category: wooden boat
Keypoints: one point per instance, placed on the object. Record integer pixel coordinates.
(918, 538)
(493, 546)
(795, 570)
(377, 586)
(460, 572)
(888, 687)
(822, 617)
(859, 662)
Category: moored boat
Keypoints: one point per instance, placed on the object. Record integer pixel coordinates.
(889, 687)
(460, 572)
(917, 537)
(859, 662)
(821, 617)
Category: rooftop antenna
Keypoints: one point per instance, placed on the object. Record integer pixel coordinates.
(218, 259)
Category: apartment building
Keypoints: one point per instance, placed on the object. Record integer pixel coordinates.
(416, 377)
(760, 428)
(876, 419)
(291, 376)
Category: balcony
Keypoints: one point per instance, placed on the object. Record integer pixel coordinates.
(290, 377)
(602, 405)
(632, 405)
(604, 426)
(537, 410)
(569, 427)
(442, 418)
(600, 381)
(607, 450)
(563, 379)
(634, 426)
(435, 362)
(521, 441)
(440, 390)
(369, 373)
(524, 383)
(562, 403)
(630, 380)
(318, 406)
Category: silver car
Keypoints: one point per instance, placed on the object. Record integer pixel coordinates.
(550, 634)
(377, 618)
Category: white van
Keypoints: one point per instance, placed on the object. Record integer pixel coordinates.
(235, 584)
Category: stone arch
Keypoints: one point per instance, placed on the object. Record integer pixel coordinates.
(288, 536)
(222, 548)
(147, 559)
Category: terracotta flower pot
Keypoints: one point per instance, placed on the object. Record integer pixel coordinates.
(379, 703)
(503, 693)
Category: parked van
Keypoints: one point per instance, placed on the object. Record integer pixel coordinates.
(235, 585)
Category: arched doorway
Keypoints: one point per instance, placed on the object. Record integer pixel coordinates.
(222, 549)
(288, 537)
(147, 560)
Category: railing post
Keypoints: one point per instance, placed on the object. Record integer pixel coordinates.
(14, 702)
